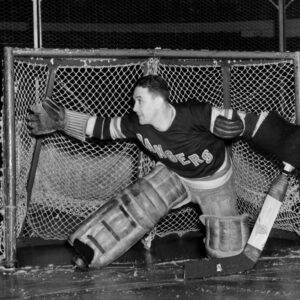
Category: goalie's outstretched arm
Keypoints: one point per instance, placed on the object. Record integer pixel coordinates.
(267, 132)
(278, 136)
(50, 116)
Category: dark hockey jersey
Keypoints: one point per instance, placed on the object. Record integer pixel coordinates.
(187, 147)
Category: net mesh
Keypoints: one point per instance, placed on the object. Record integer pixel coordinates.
(75, 178)
(263, 87)
(60, 202)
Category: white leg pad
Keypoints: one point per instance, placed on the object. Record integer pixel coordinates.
(120, 223)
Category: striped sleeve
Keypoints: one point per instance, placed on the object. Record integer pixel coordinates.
(115, 128)
(105, 128)
(112, 128)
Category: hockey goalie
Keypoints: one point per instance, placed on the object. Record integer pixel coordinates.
(193, 165)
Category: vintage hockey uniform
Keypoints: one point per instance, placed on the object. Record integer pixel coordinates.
(188, 147)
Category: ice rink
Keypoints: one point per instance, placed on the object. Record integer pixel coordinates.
(46, 272)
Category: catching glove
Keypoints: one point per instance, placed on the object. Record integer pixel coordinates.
(50, 116)
(46, 117)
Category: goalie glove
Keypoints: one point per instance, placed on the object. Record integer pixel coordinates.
(46, 117)
(228, 127)
(229, 124)
(50, 116)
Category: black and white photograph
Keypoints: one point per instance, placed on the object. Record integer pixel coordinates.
(150, 149)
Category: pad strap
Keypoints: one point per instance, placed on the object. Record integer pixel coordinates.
(76, 124)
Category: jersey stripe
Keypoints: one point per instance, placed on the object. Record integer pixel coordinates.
(98, 128)
(115, 128)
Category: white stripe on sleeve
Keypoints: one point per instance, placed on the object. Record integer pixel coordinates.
(90, 126)
(115, 128)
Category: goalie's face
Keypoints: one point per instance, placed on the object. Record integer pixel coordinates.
(147, 106)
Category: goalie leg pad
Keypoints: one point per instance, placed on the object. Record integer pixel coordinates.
(120, 223)
(277, 136)
(225, 236)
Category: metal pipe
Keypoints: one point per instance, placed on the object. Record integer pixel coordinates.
(9, 161)
(281, 18)
(226, 85)
(297, 86)
(115, 53)
(297, 90)
(39, 15)
(35, 24)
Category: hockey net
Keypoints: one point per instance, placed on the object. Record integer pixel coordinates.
(74, 178)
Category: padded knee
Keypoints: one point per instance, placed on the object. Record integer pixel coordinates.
(120, 223)
(277, 136)
(225, 236)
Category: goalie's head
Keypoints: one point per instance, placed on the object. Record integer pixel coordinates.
(151, 102)
(155, 84)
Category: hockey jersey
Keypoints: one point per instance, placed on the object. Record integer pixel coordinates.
(187, 147)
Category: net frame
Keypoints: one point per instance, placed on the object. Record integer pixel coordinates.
(167, 68)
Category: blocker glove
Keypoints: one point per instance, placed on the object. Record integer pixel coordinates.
(235, 123)
(228, 127)
(46, 117)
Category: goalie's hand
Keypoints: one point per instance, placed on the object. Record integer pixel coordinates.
(46, 117)
(228, 128)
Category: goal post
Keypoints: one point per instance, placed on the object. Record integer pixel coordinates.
(73, 178)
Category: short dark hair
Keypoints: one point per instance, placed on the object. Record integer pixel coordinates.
(156, 84)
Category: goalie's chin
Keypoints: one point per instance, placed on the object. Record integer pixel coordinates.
(142, 120)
